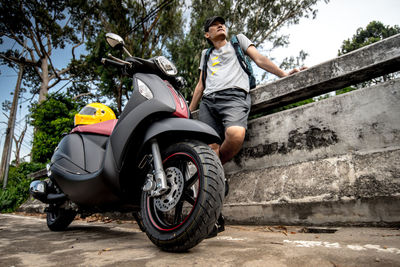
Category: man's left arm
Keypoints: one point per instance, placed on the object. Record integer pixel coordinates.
(266, 64)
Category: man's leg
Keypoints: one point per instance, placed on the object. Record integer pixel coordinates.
(215, 147)
(234, 137)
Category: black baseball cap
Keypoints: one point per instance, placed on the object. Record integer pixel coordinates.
(211, 20)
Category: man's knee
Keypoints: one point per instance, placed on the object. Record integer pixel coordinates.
(234, 137)
(235, 134)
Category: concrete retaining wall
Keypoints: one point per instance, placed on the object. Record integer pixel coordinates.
(335, 161)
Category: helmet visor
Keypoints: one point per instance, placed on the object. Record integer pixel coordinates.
(88, 111)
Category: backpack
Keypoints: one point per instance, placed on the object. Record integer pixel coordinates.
(242, 58)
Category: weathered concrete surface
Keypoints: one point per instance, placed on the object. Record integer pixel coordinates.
(353, 189)
(360, 65)
(335, 161)
(26, 241)
(364, 120)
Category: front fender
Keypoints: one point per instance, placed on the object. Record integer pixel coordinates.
(180, 128)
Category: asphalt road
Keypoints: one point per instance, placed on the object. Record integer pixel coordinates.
(26, 241)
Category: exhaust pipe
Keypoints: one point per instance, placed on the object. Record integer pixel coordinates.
(39, 190)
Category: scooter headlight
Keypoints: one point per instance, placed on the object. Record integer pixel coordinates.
(144, 90)
(166, 66)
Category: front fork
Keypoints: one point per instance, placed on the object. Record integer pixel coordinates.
(156, 183)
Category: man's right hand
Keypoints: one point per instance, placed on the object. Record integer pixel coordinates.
(295, 70)
(197, 94)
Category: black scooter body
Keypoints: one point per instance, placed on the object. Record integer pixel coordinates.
(100, 171)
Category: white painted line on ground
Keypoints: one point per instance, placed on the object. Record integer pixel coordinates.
(312, 244)
(229, 238)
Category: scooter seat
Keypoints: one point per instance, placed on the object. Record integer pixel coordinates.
(103, 128)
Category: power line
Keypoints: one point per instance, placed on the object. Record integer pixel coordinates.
(150, 15)
(13, 44)
(51, 97)
(27, 134)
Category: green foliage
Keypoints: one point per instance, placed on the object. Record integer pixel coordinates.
(51, 119)
(17, 190)
(345, 90)
(146, 41)
(48, 27)
(294, 62)
(289, 106)
(373, 32)
(182, 41)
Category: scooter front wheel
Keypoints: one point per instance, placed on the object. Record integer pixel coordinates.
(186, 214)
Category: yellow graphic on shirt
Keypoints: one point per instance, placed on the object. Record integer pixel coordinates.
(214, 70)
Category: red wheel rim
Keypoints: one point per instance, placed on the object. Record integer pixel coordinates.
(157, 217)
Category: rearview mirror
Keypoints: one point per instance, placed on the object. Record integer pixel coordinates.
(114, 40)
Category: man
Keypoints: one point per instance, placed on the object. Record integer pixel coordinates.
(226, 102)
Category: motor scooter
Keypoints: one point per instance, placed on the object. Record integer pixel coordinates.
(153, 161)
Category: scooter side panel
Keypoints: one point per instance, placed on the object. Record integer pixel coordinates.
(94, 146)
(161, 102)
(84, 189)
(76, 167)
(70, 154)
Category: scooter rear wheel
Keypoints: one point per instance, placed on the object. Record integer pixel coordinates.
(186, 214)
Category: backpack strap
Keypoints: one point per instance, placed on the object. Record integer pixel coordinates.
(243, 61)
(206, 58)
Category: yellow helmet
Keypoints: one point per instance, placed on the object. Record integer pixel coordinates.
(94, 113)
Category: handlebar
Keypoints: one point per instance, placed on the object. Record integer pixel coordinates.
(132, 64)
(107, 61)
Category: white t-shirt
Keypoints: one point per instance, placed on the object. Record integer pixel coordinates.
(223, 68)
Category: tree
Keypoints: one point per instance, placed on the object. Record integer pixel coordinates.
(18, 141)
(51, 118)
(46, 26)
(373, 32)
(145, 36)
(17, 191)
(10, 129)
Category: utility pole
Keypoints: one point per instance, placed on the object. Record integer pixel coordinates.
(10, 128)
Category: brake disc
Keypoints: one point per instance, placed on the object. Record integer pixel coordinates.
(175, 181)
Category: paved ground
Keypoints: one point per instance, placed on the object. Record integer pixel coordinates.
(26, 241)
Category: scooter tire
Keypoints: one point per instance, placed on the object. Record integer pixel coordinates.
(59, 219)
(196, 206)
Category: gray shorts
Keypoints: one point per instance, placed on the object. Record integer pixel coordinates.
(222, 109)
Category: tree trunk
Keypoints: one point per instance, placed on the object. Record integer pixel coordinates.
(44, 87)
(10, 130)
(18, 144)
(119, 96)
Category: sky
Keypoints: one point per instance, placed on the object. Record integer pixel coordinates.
(321, 38)
(336, 21)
